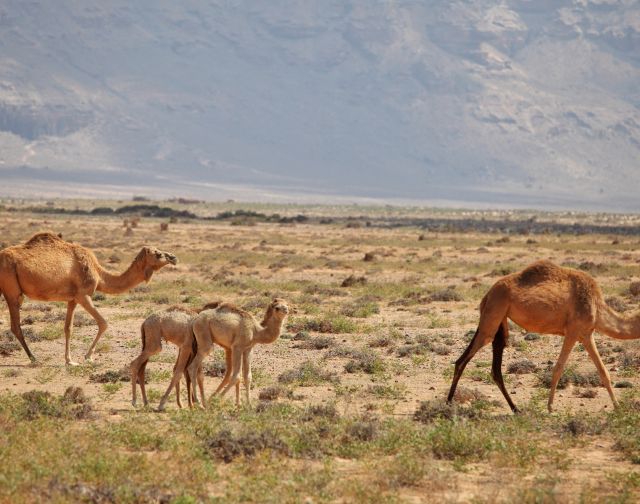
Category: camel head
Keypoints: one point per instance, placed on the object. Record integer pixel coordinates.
(153, 259)
(278, 309)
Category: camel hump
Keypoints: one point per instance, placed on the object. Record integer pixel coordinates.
(183, 309)
(45, 238)
(210, 306)
(226, 307)
(538, 272)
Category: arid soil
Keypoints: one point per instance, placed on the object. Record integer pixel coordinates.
(384, 311)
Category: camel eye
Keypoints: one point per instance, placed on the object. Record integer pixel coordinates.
(158, 255)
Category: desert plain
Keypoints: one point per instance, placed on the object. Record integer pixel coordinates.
(348, 404)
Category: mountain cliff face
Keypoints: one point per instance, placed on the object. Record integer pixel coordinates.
(523, 101)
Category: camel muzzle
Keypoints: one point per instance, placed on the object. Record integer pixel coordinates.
(172, 259)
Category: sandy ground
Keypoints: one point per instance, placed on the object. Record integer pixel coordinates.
(306, 265)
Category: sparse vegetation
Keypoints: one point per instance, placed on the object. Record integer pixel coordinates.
(523, 366)
(570, 376)
(328, 323)
(367, 362)
(348, 406)
(307, 374)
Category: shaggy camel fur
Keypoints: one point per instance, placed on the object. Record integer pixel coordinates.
(237, 331)
(548, 299)
(48, 268)
(174, 326)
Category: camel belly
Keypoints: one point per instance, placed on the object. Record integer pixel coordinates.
(543, 319)
(47, 283)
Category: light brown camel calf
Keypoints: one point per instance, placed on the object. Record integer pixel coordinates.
(173, 326)
(548, 299)
(48, 268)
(237, 331)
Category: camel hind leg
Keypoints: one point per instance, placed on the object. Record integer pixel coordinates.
(12, 297)
(491, 318)
(87, 304)
(499, 343)
(476, 344)
(150, 346)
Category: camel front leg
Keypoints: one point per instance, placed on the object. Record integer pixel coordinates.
(246, 374)
(200, 384)
(87, 304)
(196, 373)
(567, 346)
(236, 366)
(193, 369)
(227, 371)
(14, 313)
(590, 346)
(68, 325)
(188, 380)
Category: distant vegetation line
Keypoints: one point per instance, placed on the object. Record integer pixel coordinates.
(441, 224)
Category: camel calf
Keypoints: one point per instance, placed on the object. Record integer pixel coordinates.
(237, 331)
(174, 326)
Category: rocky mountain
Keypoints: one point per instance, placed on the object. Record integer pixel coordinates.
(528, 102)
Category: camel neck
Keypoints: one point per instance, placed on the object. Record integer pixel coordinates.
(618, 326)
(270, 331)
(117, 283)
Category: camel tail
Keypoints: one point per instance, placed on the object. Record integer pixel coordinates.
(194, 346)
(616, 326)
(143, 336)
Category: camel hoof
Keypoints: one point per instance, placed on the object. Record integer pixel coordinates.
(72, 363)
(88, 358)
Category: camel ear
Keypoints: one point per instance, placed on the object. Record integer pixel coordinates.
(148, 271)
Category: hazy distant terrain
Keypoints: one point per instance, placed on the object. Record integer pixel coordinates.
(522, 102)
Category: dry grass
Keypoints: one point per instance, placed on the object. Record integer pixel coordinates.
(351, 397)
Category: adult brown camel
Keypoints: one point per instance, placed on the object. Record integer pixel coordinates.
(48, 268)
(548, 299)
